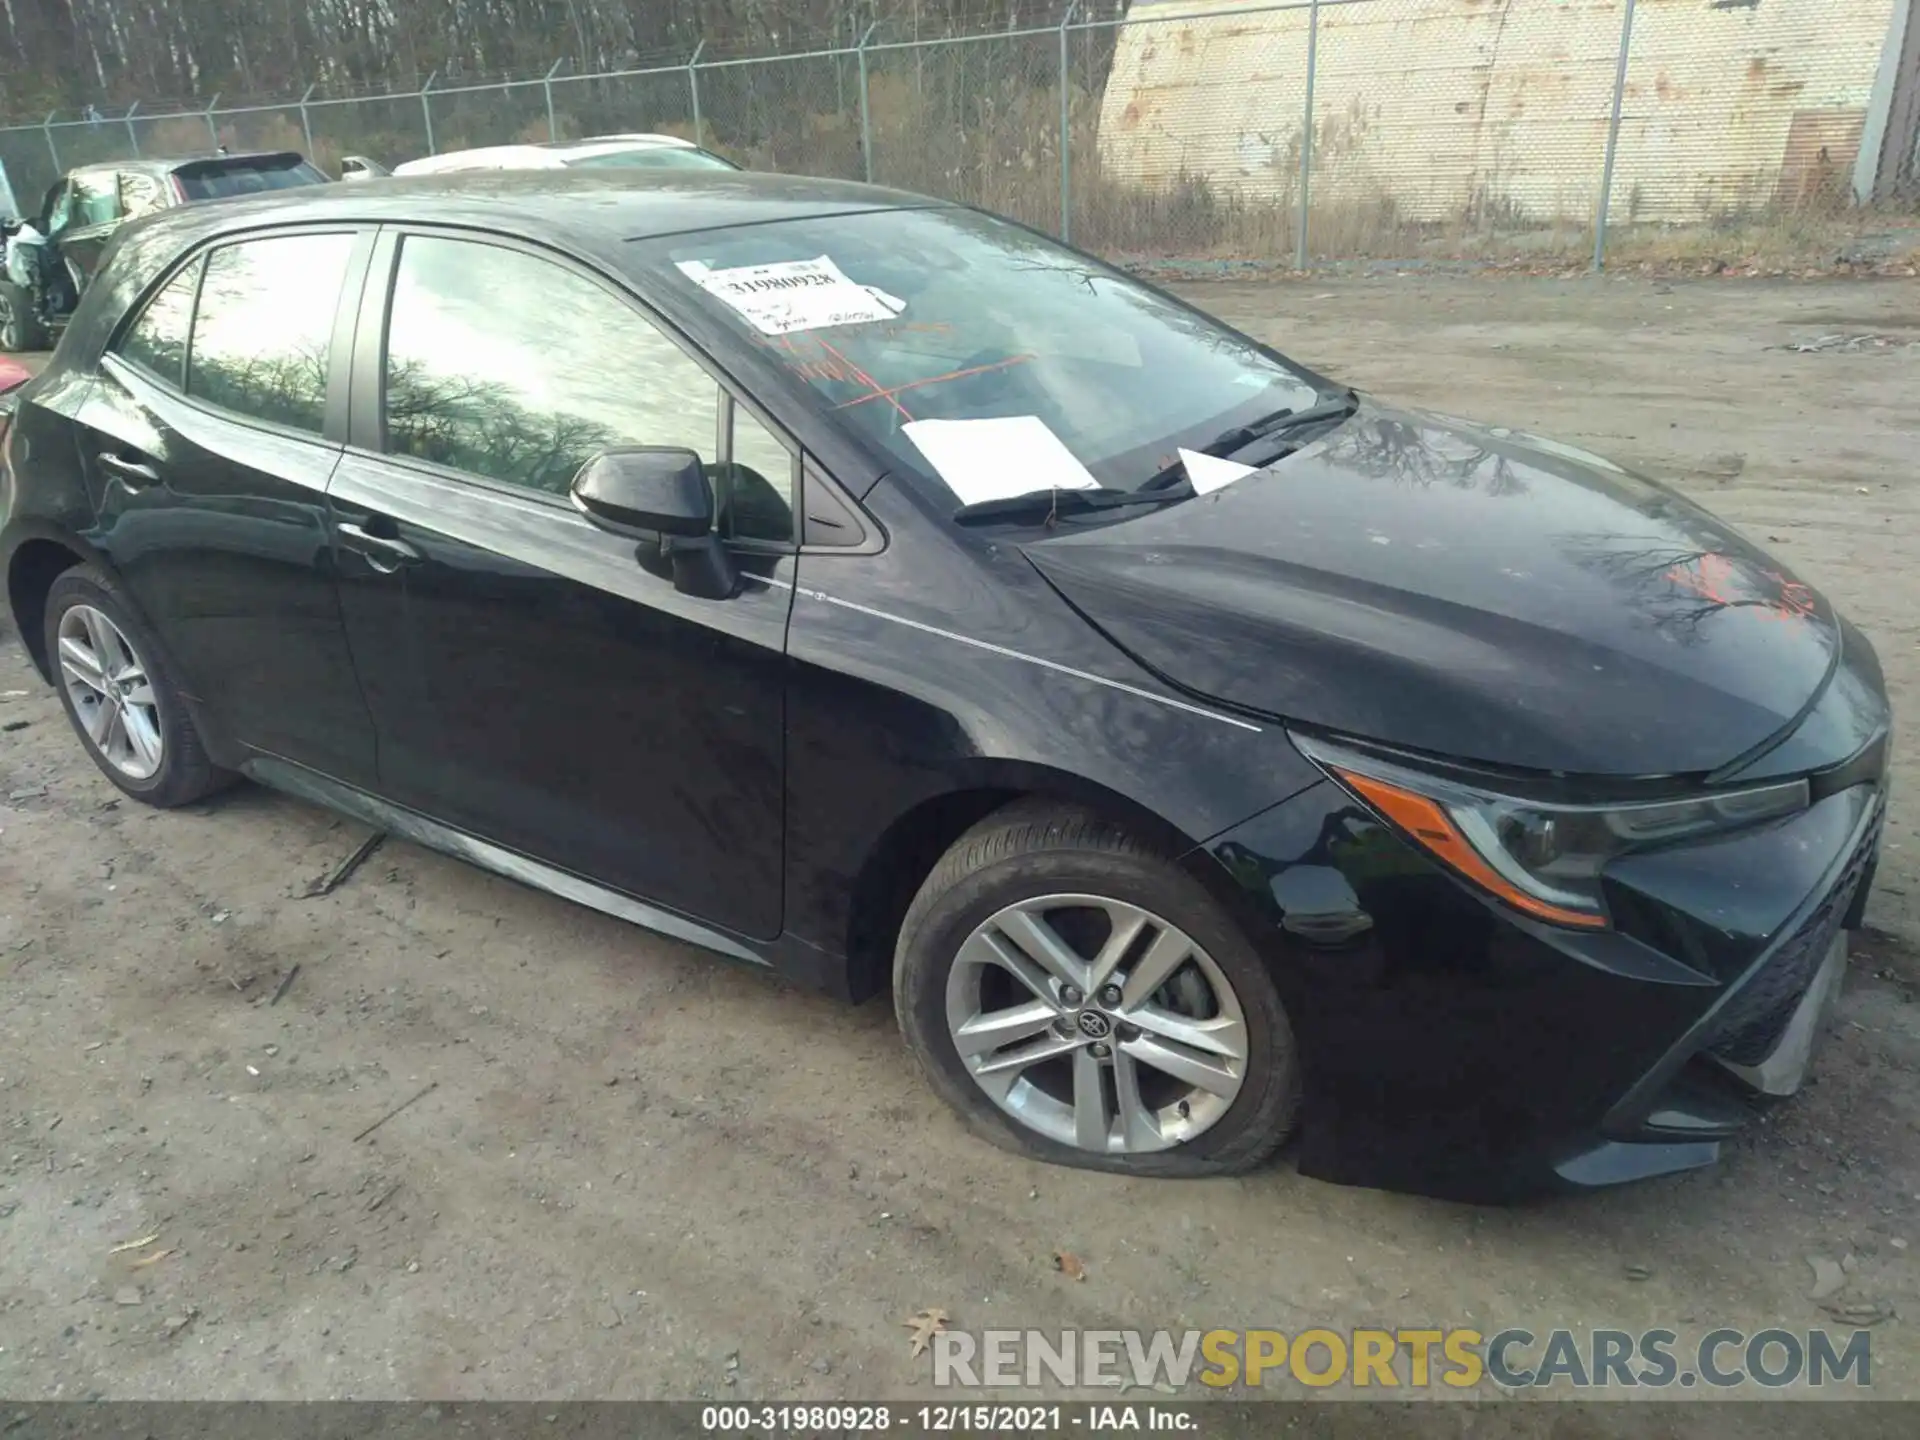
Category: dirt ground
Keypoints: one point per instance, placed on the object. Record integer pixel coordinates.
(643, 1173)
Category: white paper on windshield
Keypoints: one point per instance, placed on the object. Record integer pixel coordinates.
(1209, 472)
(792, 295)
(992, 459)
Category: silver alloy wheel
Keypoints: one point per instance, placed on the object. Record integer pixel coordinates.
(1124, 1040)
(111, 691)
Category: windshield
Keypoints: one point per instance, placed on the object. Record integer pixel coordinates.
(224, 179)
(650, 157)
(906, 316)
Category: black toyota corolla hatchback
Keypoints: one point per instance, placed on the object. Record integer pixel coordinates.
(870, 589)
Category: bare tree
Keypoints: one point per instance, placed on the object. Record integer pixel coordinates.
(71, 53)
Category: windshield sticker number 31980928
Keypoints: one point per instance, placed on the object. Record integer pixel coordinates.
(793, 295)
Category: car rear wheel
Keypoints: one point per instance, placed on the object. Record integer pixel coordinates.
(1078, 998)
(20, 327)
(120, 695)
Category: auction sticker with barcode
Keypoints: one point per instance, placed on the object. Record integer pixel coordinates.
(793, 295)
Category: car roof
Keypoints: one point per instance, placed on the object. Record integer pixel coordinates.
(591, 143)
(544, 155)
(172, 163)
(596, 209)
(483, 157)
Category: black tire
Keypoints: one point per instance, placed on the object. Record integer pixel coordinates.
(1036, 848)
(20, 327)
(185, 773)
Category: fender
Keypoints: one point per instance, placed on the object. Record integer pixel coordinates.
(17, 537)
(23, 534)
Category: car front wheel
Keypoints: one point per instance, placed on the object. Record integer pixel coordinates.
(1078, 998)
(20, 327)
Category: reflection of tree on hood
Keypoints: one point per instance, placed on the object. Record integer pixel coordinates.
(1384, 449)
(1679, 588)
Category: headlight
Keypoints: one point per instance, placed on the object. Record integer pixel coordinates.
(1541, 858)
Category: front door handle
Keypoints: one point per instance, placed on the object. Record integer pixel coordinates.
(384, 553)
(134, 472)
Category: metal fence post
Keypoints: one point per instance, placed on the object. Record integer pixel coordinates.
(1613, 142)
(306, 118)
(426, 110)
(546, 85)
(133, 137)
(213, 130)
(1300, 251)
(866, 116)
(1066, 132)
(46, 128)
(693, 87)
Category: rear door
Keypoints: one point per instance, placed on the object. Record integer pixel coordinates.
(209, 438)
(531, 682)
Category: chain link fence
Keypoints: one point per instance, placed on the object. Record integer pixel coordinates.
(1201, 132)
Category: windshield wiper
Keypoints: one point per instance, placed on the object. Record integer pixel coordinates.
(1338, 408)
(1228, 442)
(1041, 504)
(1169, 485)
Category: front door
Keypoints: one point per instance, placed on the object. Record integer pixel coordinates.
(207, 447)
(532, 682)
(82, 218)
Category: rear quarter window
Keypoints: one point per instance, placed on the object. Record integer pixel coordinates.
(157, 341)
(223, 181)
(140, 194)
(263, 332)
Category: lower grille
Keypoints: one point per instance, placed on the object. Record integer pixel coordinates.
(1747, 1029)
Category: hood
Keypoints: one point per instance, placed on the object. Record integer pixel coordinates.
(1467, 591)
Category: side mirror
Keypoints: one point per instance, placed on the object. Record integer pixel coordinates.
(646, 489)
(663, 496)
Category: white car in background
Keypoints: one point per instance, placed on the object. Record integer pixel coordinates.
(598, 152)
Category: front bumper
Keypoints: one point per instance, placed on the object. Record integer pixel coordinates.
(1454, 1048)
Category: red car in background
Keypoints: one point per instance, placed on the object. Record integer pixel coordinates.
(12, 376)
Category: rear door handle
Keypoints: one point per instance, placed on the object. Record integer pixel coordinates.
(384, 553)
(134, 472)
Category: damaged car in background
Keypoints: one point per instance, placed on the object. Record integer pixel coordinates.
(50, 256)
(1197, 752)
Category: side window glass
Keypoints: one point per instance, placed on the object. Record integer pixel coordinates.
(759, 483)
(479, 378)
(139, 194)
(96, 199)
(157, 341)
(263, 332)
(59, 207)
